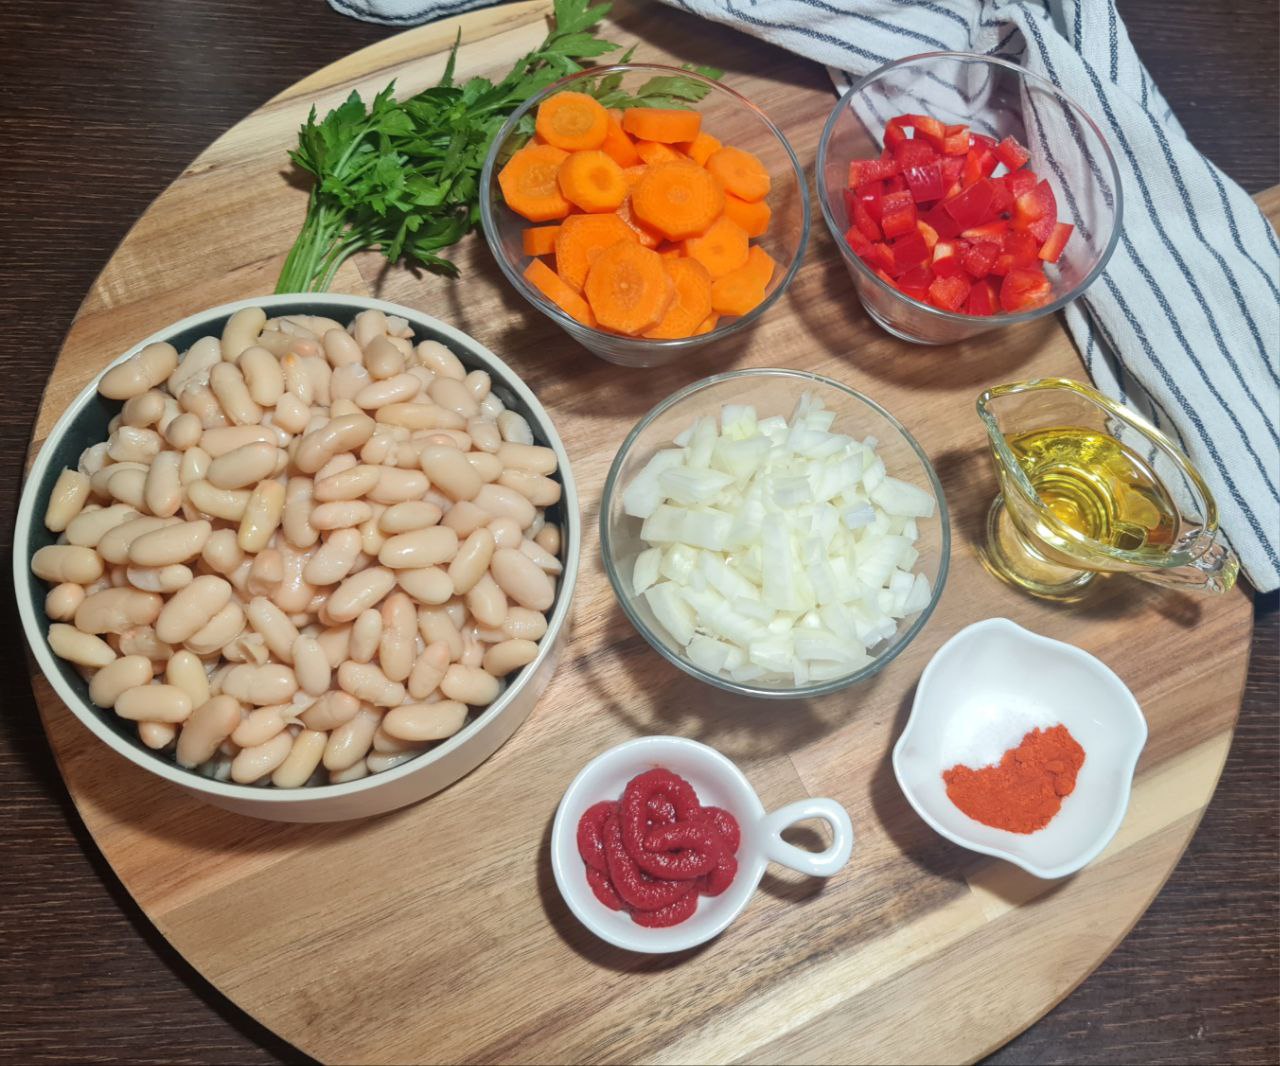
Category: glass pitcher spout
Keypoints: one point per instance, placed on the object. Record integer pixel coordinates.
(1089, 487)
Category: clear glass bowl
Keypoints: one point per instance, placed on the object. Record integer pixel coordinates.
(772, 392)
(997, 98)
(726, 115)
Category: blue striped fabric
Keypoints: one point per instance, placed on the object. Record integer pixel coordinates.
(1184, 324)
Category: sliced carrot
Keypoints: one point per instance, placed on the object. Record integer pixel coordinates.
(647, 237)
(721, 249)
(539, 240)
(550, 284)
(572, 121)
(653, 152)
(707, 324)
(752, 217)
(760, 264)
(592, 181)
(617, 145)
(581, 239)
(740, 172)
(529, 184)
(691, 303)
(679, 200)
(700, 148)
(628, 288)
(633, 174)
(743, 289)
(665, 125)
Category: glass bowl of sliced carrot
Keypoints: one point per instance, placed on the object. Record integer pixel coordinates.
(646, 210)
(966, 193)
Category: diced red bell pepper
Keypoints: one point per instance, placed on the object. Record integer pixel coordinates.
(881, 256)
(895, 130)
(983, 299)
(1017, 250)
(916, 282)
(978, 164)
(952, 165)
(1036, 211)
(956, 140)
(1011, 153)
(857, 240)
(926, 231)
(897, 183)
(971, 207)
(1020, 181)
(862, 171)
(925, 181)
(897, 214)
(1024, 289)
(988, 231)
(1001, 198)
(1052, 248)
(914, 153)
(979, 257)
(946, 258)
(929, 128)
(886, 279)
(984, 140)
(941, 221)
(909, 251)
(862, 220)
(949, 292)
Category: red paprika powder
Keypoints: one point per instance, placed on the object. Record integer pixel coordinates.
(1026, 789)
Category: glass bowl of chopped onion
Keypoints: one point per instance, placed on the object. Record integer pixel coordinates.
(726, 275)
(774, 533)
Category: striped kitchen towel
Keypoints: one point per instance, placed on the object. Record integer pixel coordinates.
(1184, 324)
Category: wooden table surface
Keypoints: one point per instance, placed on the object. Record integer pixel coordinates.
(106, 104)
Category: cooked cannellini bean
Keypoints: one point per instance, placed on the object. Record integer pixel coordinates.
(292, 530)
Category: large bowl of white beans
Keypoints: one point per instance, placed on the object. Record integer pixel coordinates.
(307, 557)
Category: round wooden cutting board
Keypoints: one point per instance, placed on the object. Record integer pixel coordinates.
(436, 933)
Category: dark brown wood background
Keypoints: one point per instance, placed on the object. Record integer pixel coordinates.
(103, 105)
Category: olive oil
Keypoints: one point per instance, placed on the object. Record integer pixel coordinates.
(1103, 490)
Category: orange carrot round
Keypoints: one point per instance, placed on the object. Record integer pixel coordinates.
(721, 249)
(592, 181)
(741, 173)
(691, 303)
(707, 324)
(529, 185)
(656, 152)
(678, 199)
(700, 148)
(743, 289)
(549, 283)
(618, 146)
(582, 238)
(665, 125)
(633, 174)
(647, 236)
(628, 288)
(539, 240)
(752, 217)
(572, 121)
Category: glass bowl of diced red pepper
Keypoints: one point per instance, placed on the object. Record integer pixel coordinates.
(965, 193)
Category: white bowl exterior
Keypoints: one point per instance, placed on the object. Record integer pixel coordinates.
(414, 780)
(997, 661)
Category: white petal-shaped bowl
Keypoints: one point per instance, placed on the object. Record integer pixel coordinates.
(997, 662)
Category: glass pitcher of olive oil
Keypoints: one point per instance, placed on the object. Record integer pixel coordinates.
(1088, 487)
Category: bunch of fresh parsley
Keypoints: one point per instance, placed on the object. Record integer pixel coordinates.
(403, 176)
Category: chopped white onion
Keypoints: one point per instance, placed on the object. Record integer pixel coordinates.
(777, 551)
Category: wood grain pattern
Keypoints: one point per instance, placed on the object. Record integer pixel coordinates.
(173, 822)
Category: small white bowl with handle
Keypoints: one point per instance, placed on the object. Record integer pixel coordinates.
(718, 783)
(996, 665)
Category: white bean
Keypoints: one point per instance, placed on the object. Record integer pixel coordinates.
(240, 330)
(368, 683)
(170, 544)
(191, 608)
(76, 646)
(303, 758)
(262, 375)
(425, 721)
(67, 562)
(331, 710)
(114, 610)
(68, 497)
(310, 665)
(153, 703)
(142, 371)
(501, 659)
(349, 742)
(470, 685)
(194, 367)
(409, 516)
(61, 601)
(521, 579)
(129, 671)
(185, 671)
(423, 547)
(253, 764)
